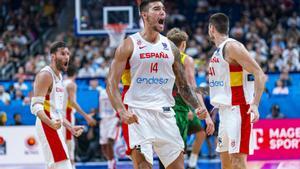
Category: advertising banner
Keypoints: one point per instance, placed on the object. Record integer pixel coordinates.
(276, 139)
(19, 145)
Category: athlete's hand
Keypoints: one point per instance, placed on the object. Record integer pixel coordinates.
(254, 110)
(128, 117)
(210, 127)
(55, 124)
(201, 112)
(89, 119)
(77, 130)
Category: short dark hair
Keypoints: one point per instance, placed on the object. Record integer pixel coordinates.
(144, 4)
(56, 45)
(72, 70)
(221, 22)
(177, 36)
(16, 114)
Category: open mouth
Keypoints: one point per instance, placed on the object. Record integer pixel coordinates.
(66, 64)
(161, 21)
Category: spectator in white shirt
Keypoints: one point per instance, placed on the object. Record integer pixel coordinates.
(280, 89)
(4, 97)
(20, 85)
(86, 71)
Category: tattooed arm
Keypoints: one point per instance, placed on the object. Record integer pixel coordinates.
(186, 91)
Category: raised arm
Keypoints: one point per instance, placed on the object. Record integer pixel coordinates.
(185, 90)
(42, 84)
(117, 67)
(236, 52)
(72, 89)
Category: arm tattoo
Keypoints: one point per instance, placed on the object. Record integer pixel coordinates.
(186, 91)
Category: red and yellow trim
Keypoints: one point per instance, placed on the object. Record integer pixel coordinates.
(126, 77)
(236, 83)
(55, 143)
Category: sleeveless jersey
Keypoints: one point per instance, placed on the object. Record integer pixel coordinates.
(229, 84)
(106, 109)
(52, 141)
(69, 111)
(54, 102)
(151, 73)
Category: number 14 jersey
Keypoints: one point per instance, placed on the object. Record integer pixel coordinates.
(151, 74)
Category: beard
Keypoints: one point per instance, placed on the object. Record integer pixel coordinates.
(154, 24)
(60, 65)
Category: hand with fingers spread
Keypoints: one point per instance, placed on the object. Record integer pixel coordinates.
(55, 124)
(201, 112)
(77, 130)
(210, 127)
(128, 117)
(253, 109)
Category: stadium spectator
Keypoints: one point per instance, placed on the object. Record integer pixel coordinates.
(86, 70)
(4, 56)
(94, 85)
(18, 95)
(290, 56)
(284, 77)
(280, 89)
(4, 96)
(3, 118)
(275, 113)
(20, 85)
(17, 119)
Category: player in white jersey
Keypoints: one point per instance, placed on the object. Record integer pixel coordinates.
(154, 63)
(71, 106)
(235, 91)
(109, 128)
(47, 104)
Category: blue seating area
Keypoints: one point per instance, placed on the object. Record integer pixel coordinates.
(89, 99)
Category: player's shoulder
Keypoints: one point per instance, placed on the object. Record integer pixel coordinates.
(126, 44)
(71, 84)
(43, 77)
(233, 43)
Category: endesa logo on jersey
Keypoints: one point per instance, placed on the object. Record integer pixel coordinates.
(215, 83)
(152, 80)
(154, 55)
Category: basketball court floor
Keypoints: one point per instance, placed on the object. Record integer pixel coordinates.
(202, 164)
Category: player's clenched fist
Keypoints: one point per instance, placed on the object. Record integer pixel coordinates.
(201, 112)
(55, 124)
(77, 130)
(128, 117)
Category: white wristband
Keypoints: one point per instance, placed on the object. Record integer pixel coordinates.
(37, 104)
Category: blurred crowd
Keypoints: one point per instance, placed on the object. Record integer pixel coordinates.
(269, 29)
(21, 23)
